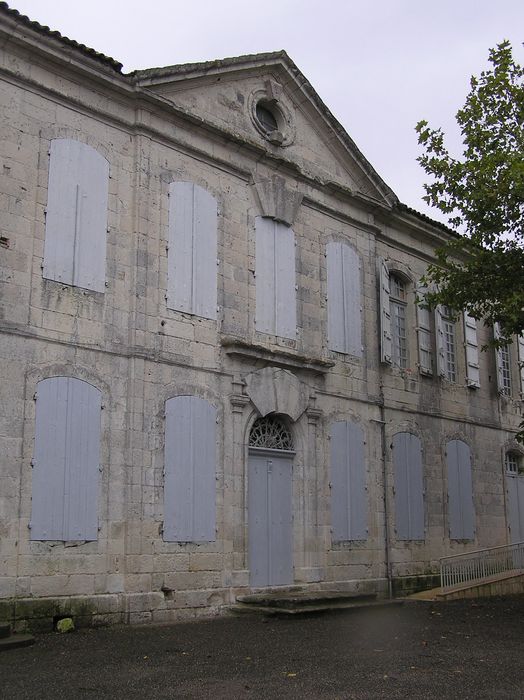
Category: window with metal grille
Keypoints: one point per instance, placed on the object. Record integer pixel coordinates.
(398, 307)
(270, 433)
(450, 360)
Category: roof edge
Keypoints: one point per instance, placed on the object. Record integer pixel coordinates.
(23, 20)
(307, 88)
(206, 66)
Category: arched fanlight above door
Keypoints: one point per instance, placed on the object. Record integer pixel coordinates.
(270, 433)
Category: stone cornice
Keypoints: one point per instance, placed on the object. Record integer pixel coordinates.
(235, 347)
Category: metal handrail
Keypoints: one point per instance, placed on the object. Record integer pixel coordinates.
(480, 565)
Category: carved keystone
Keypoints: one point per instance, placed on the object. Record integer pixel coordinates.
(278, 201)
(275, 390)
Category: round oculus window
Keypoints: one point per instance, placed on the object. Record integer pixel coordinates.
(272, 118)
(266, 117)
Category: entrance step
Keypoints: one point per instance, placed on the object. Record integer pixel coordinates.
(305, 602)
(13, 641)
(429, 594)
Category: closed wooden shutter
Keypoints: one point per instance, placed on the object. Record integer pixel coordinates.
(190, 470)
(76, 215)
(441, 348)
(515, 501)
(409, 487)
(520, 344)
(348, 482)
(344, 299)
(461, 512)
(385, 314)
(66, 460)
(192, 251)
(425, 353)
(472, 351)
(275, 278)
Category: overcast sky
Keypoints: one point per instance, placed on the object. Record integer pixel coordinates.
(379, 65)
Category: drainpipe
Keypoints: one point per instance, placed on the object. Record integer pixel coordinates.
(387, 558)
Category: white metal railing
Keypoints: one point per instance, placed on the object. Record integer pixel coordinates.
(476, 567)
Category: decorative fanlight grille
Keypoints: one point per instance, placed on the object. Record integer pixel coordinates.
(270, 433)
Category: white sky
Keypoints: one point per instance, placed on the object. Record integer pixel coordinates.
(379, 65)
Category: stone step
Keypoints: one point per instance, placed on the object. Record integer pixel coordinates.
(286, 604)
(299, 599)
(16, 640)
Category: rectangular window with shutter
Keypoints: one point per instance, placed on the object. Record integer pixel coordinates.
(461, 513)
(275, 278)
(520, 345)
(385, 315)
(409, 487)
(425, 353)
(189, 470)
(66, 462)
(515, 506)
(348, 482)
(192, 250)
(472, 351)
(344, 299)
(76, 215)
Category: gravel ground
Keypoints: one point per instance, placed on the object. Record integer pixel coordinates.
(466, 649)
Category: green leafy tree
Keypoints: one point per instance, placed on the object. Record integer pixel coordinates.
(482, 194)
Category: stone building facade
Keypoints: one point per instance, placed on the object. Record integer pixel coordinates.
(215, 375)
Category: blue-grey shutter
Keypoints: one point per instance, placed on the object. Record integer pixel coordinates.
(66, 460)
(472, 351)
(348, 482)
(515, 501)
(344, 316)
(425, 356)
(192, 250)
(385, 313)
(520, 344)
(460, 491)
(275, 278)
(441, 352)
(409, 487)
(190, 470)
(76, 215)
(265, 275)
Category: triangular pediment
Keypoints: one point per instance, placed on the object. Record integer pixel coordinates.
(226, 93)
